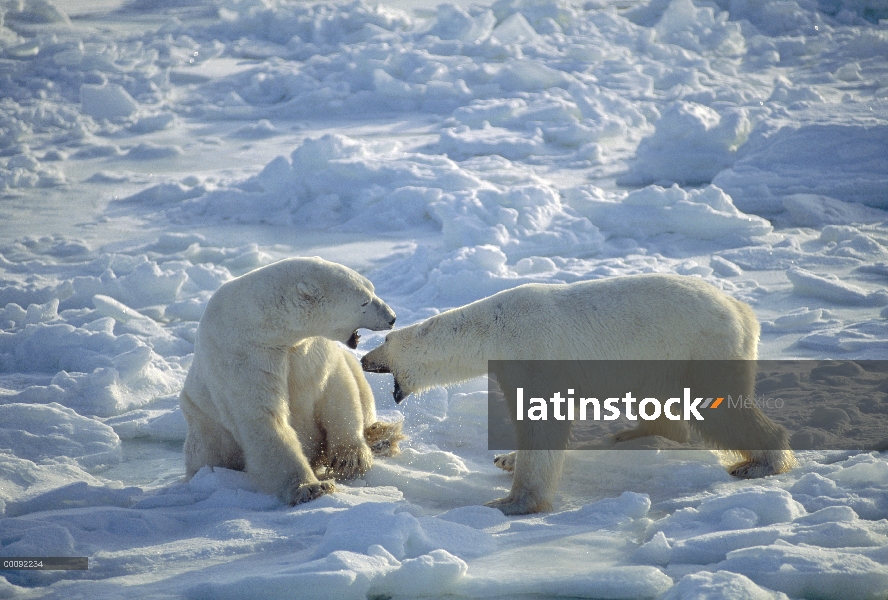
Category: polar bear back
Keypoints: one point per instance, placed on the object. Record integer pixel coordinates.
(642, 317)
(645, 317)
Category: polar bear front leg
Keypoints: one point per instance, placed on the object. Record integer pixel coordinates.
(347, 454)
(536, 476)
(274, 459)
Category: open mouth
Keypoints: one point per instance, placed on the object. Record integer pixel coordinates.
(353, 340)
(398, 393)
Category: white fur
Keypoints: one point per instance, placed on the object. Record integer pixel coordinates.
(643, 317)
(265, 395)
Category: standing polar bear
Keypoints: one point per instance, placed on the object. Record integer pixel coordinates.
(643, 317)
(269, 391)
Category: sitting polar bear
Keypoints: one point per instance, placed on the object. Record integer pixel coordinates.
(268, 392)
(641, 317)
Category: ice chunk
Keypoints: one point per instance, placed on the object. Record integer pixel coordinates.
(341, 575)
(43, 432)
(803, 571)
(655, 551)
(147, 151)
(862, 475)
(109, 307)
(42, 540)
(724, 267)
(700, 29)
(107, 101)
(850, 162)
(813, 210)
(461, 142)
(706, 213)
(400, 533)
(710, 548)
(608, 512)
(430, 574)
(798, 318)
(718, 585)
(829, 287)
(452, 22)
(692, 143)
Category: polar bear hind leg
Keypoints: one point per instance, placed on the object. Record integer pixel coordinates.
(672, 430)
(536, 475)
(747, 431)
(207, 442)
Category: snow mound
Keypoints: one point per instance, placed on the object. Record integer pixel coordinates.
(691, 144)
(707, 214)
(851, 162)
(40, 433)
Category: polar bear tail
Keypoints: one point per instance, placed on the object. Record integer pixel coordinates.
(383, 438)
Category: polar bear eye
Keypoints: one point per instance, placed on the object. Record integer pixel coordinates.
(365, 303)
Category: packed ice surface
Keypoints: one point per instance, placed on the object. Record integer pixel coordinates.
(151, 151)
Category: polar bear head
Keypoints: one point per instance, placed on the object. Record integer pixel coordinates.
(442, 350)
(296, 298)
(387, 359)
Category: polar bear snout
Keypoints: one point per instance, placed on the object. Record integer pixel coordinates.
(378, 316)
(376, 362)
(370, 365)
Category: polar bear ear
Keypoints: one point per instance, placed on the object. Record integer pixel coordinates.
(305, 290)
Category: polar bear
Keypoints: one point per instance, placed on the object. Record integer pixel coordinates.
(269, 392)
(639, 317)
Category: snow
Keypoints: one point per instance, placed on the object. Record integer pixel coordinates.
(151, 151)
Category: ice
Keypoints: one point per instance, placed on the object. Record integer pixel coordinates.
(655, 551)
(850, 160)
(152, 151)
(434, 573)
(691, 144)
(685, 25)
(829, 287)
(802, 570)
(706, 213)
(861, 474)
(461, 142)
(108, 101)
(724, 267)
(811, 210)
(607, 513)
(798, 318)
(38, 433)
(720, 584)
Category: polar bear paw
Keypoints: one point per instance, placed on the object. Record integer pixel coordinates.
(306, 492)
(520, 506)
(506, 462)
(751, 469)
(348, 462)
(764, 464)
(629, 435)
(383, 438)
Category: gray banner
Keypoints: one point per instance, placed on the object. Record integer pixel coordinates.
(44, 563)
(732, 405)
